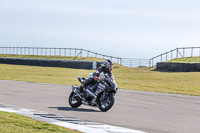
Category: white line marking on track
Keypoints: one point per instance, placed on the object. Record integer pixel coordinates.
(68, 122)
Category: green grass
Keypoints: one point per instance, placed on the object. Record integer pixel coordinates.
(187, 83)
(14, 123)
(57, 57)
(186, 60)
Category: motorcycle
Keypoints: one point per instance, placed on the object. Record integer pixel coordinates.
(100, 94)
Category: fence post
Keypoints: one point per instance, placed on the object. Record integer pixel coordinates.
(60, 52)
(21, 50)
(87, 53)
(28, 50)
(161, 57)
(177, 53)
(24, 50)
(152, 62)
(33, 50)
(45, 51)
(75, 52)
(171, 54)
(6, 50)
(48, 49)
(37, 50)
(149, 63)
(192, 52)
(65, 52)
(183, 52)
(11, 50)
(166, 56)
(41, 50)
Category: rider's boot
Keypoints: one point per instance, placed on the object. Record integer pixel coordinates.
(81, 89)
(83, 85)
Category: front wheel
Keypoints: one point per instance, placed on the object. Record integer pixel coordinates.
(105, 101)
(74, 100)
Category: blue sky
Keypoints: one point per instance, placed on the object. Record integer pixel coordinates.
(124, 28)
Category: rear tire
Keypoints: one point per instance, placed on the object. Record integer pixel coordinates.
(105, 104)
(74, 100)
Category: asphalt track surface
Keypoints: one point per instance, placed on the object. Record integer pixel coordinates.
(146, 111)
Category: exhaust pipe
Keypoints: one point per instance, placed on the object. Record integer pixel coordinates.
(91, 93)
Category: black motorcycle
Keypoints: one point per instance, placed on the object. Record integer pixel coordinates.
(100, 94)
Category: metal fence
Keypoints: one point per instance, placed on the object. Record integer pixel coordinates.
(175, 53)
(75, 52)
(131, 62)
(128, 62)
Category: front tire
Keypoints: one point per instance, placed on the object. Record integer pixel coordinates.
(105, 102)
(74, 100)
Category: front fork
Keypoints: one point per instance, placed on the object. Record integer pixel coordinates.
(105, 98)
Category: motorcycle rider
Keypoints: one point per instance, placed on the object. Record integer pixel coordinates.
(105, 68)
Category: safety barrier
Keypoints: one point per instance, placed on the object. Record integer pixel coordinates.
(90, 65)
(178, 67)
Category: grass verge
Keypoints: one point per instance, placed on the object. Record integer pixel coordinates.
(186, 60)
(187, 83)
(14, 123)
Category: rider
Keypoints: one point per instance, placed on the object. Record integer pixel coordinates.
(105, 68)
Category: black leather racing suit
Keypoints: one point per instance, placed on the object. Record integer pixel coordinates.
(91, 80)
(102, 69)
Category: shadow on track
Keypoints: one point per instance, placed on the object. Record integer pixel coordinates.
(74, 109)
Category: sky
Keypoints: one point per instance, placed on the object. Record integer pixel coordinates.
(123, 28)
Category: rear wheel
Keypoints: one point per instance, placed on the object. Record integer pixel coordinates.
(105, 101)
(74, 100)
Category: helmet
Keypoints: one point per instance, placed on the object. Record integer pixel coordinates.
(108, 64)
